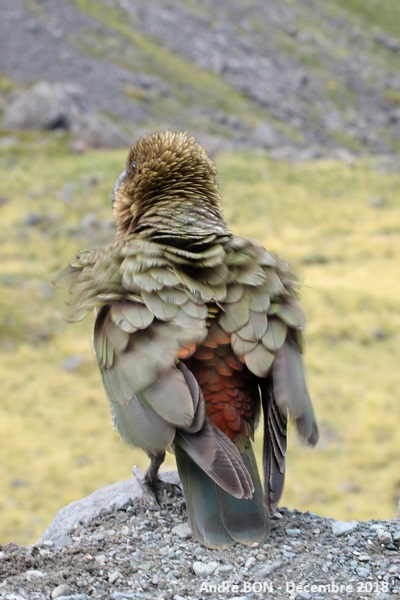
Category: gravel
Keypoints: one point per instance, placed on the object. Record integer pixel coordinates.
(143, 550)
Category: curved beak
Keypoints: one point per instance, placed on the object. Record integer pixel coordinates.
(116, 186)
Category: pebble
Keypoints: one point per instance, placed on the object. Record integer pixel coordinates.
(268, 569)
(363, 558)
(224, 569)
(73, 597)
(204, 569)
(182, 530)
(250, 562)
(113, 576)
(363, 572)
(61, 590)
(261, 557)
(35, 573)
(303, 595)
(384, 536)
(293, 531)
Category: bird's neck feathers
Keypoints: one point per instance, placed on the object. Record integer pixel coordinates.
(173, 213)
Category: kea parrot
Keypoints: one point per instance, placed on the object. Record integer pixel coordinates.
(196, 332)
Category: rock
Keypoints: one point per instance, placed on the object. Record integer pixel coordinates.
(250, 562)
(293, 531)
(61, 590)
(363, 557)
(98, 132)
(182, 530)
(266, 135)
(73, 597)
(387, 42)
(117, 495)
(343, 527)
(376, 202)
(33, 219)
(384, 536)
(270, 568)
(204, 569)
(261, 557)
(62, 106)
(44, 106)
(114, 576)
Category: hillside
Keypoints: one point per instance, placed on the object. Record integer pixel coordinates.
(298, 78)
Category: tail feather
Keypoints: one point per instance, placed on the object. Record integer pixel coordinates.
(246, 521)
(214, 452)
(201, 501)
(217, 518)
(274, 448)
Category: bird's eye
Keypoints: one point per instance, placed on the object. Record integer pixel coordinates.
(133, 165)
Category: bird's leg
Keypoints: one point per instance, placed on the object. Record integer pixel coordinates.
(161, 489)
(151, 476)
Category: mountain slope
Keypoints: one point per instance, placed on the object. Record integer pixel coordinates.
(276, 74)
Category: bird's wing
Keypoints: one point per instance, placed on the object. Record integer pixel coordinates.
(145, 318)
(151, 303)
(262, 314)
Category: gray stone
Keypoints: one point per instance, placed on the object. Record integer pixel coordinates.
(73, 597)
(182, 530)
(61, 590)
(62, 106)
(114, 576)
(44, 106)
(98, 132)
(204, 569)
(343, 527)
(384, 536)
(293, 532)
(116, 495)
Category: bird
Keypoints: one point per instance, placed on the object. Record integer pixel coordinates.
(198, 335)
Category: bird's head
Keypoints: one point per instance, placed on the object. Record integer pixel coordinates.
(169, 183)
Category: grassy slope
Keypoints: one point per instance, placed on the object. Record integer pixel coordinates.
(57, 442)
(383, 15)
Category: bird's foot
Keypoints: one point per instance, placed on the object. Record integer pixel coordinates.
(155, 489)
(164, 491)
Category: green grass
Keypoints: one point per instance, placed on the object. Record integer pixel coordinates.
(381, 14)
(56, 437)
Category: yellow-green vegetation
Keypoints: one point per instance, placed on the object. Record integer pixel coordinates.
(337, 224)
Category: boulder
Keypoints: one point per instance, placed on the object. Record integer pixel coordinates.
(117, 495)
(44, 106)
(51, 106)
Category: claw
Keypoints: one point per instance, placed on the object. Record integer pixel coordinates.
(156, 489)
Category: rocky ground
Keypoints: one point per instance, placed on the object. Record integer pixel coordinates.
(300, 79)
(137, 549)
